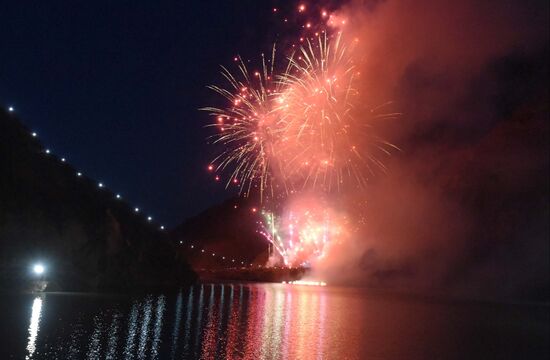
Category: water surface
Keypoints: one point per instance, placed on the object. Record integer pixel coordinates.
(266, 321)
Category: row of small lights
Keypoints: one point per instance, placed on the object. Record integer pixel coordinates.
(203, 251)
(79, 174)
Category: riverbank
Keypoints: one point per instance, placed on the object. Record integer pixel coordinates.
(250, 274)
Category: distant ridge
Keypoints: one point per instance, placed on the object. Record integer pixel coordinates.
(228, 230)
(86, 237)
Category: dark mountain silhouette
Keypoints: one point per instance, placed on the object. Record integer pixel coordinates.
(228, 230)
(86, 238)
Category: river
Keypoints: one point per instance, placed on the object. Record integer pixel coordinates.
(267, 321)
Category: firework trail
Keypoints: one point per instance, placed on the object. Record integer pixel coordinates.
(301, 234)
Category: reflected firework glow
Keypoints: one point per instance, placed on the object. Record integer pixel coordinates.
(188, 319)
(144, 330)
(255, 321)
(132, 330)
(159, 313)
(210, 337)
(113, 336)
(94, 346)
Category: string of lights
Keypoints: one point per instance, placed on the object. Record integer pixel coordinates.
(101, 185)
(232, 262)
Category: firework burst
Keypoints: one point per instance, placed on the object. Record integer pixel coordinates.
(301, 235)
(296, 130)
(316, 104)
(247, 127)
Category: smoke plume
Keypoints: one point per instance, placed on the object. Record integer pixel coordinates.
(463, 206)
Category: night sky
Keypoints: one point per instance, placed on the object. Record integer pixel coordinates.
(115, 87)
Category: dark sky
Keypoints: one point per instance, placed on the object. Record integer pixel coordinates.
(115, 88)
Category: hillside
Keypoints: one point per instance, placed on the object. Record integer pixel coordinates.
(227, 230)
(86, 238)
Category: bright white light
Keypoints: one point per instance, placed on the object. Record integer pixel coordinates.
(136, 209)
(118, 196)
(79, 174)
(162, 227)
(63, 160)
(38, 269)
(213, 254)
(192, 246)
(100, 185)
(34, 134)
(181, 242)
(10, 109)
(47, 151)
(308, 283)
(149, 218)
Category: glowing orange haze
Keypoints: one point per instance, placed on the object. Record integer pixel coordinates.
(413, 224)
(432, 58)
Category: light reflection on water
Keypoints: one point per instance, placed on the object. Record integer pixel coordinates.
(271, 321)
(33, 326)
